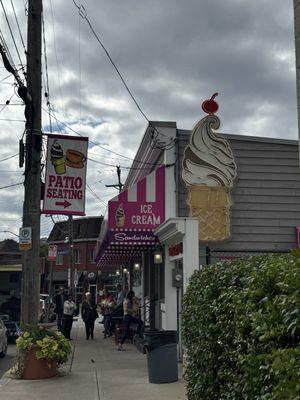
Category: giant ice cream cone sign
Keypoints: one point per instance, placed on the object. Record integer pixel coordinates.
(209, 171)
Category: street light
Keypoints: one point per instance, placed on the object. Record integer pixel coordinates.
(158, 257)
(136, 266)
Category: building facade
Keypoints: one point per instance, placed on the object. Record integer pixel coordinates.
(263, 212)
(10, 278)
(85, 234)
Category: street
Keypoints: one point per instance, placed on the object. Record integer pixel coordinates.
(7, 361)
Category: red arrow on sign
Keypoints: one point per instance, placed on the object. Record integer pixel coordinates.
(65, 203)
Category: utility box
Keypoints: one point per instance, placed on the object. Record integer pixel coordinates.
(177, 277)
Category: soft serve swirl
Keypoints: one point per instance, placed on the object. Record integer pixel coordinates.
(208, 159)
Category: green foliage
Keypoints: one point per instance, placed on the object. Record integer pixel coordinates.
(52, 345)
(44, 250)
(241, 329)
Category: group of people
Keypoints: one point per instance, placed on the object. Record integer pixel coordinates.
(125, 305)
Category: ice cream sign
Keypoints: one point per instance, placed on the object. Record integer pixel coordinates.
(209, 171)
(141, 206)
(65, 175)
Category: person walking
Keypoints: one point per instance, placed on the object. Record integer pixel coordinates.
(120, 295)
(69, 309)
(59, 301)
(131, 312)
(89, 315)
(107, 305)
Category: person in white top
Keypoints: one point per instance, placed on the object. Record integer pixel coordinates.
(69, 309)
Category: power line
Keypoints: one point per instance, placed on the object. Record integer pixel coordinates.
(83, 14)
(95, 195)
(12, 35)
(12, 120)
(7, 103)
(20, 33)
(8, 54)
(97, 144)
(13, 184)
(112, 165)
(56, 57)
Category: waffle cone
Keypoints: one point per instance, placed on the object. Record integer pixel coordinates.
(211, 205)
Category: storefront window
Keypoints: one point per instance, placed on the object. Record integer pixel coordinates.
(59, 259)
(77, 256)
(92, 256)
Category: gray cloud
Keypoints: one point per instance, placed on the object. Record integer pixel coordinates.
(173, 55)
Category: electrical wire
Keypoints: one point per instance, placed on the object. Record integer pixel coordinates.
(83, 14)
(95, 195)
(12, 120)
(7, 103)
(47, 93)
(13, 184)
(7, 52)
(111, 165)
(56, 56)
(9, 157)
(20, 33)
(97, 144)
(12, 35)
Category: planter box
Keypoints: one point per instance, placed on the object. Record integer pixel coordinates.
(38, 369)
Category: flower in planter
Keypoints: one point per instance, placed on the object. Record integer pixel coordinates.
(51, 345)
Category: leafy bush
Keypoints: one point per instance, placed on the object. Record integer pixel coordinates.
(52, 345)
(241, 329)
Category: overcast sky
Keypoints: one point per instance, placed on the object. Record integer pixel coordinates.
(173, 54)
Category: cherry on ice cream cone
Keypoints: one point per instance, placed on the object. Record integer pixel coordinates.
(210, 106)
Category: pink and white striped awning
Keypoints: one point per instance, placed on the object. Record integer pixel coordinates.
(131, 219)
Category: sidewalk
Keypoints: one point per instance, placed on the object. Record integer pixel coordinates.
(98, 372)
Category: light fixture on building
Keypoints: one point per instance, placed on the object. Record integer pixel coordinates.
(118, 273)
(125, 270)
(157, 257)
(137, 266)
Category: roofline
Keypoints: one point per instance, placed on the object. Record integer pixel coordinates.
(147, 154)
(248, 138)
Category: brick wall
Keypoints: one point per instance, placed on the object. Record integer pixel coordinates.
(85, 264)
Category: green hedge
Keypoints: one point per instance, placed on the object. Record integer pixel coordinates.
(241, 330)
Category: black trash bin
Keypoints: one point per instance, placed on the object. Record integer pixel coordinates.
(161, 347)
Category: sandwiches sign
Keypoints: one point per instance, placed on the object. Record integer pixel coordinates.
(65, 175)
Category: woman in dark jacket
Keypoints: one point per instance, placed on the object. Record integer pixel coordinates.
(89, 315)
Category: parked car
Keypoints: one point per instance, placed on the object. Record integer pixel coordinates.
(12, 330)
(3, 339)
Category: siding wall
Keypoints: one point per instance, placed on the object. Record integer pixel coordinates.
(266, 197)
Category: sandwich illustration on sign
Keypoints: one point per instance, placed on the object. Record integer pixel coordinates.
(209, 171)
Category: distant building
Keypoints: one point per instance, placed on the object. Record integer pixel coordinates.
(85, 233)
(10, 278)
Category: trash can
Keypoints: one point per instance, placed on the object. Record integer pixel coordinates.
(161, 348)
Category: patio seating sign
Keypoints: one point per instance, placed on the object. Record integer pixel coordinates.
(65, 175)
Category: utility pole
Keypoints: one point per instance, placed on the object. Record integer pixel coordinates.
(71, 256)
(118, 185)
(32, 198)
